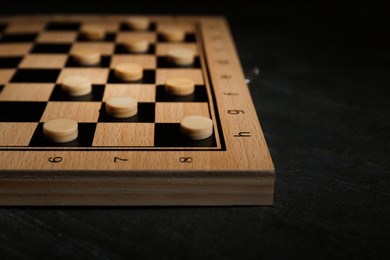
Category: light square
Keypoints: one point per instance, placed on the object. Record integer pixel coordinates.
(96, 75)
(162, 48)
(123, 36)
(14, 49)
(57, 37)
(26, 92)
(146, 61)
(5, 75)
(124, 134)
(24, 27)
(187, 27)
(43, 61)
(109, 27)
(16, 134)
(194, 74)
(140, 92)
(174, 112)
(79, 111)
(104, 48)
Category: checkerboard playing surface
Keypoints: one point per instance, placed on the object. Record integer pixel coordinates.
(232, 166)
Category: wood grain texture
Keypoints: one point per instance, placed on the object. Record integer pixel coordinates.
(145, 61)
(174, 113)
(26, 92)
(43, 61)
(16, 134)
(53, 37)
(141, 92)
(102, 47)
(123, 36)
(163, 48)
(96, 75)
(195, 74)
(111, 134)
(6, 74)
(137, 191)
(80, 111)
(14, 49)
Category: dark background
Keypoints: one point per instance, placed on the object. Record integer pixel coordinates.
(323, 101)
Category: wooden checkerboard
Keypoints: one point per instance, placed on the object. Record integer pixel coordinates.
(142, 160)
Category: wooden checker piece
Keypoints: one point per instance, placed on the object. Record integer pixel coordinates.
(87, 57)
(129, 71)
(76, 86)
(121, 107)
(136, 45)
(138, 23)
(196, 127)
(123, 127)
(60, 130)
(93, 32)
(180, 86)
(173, 34)
(181, 56)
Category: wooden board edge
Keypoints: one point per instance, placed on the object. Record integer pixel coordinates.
(138, 191)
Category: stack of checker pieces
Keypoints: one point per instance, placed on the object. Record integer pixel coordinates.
(36, 57)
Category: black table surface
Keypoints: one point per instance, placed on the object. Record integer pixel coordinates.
(323, 101)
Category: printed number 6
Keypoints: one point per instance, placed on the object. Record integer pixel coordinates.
(186, 159)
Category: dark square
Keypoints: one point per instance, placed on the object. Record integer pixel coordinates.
(148, 78)
(109, 37)
(1, 88)
(95, 95)
(168, 135)
(163, 62)
(10, 62)
(2, 26)
(145, 114)
(199, 95)
(36, 75)
(84, 139)
(21, 111)
(51, 48)
(120, 49)
(104, 63)
(18, 37)
(63, 26)
(189, 37)
(125, 27)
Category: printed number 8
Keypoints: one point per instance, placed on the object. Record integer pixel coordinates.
(55, 159)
